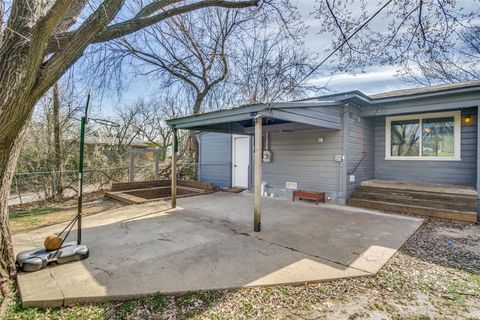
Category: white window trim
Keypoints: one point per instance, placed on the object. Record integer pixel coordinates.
(456, 135)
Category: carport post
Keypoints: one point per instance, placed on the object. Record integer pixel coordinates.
(174, 169)
(131, 172)
(257, 209)
(157, 165)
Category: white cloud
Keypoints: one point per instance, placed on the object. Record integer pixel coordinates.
(375, 79)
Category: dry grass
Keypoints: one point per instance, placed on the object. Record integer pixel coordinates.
(28, 217)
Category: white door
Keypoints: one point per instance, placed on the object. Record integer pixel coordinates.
(241, 160)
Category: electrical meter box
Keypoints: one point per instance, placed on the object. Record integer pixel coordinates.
(267, 156)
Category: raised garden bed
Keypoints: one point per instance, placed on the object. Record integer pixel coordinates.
(145, 191)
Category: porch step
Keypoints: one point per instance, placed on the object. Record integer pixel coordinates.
(435, 200)
(418, 198)
(413, 209)
(421, 186)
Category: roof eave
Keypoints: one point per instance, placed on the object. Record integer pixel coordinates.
(424, 95)
(241, 113)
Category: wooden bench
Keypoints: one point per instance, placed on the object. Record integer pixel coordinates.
(310, 195)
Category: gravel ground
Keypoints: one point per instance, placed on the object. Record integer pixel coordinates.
(435, 275)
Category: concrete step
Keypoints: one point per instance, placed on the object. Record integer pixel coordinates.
(412, 209)
(419, 199)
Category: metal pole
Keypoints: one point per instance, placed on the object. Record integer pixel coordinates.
(257, 209)
(174, 168)
(80, 181)
(83, 122)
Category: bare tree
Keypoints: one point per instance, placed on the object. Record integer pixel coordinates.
(402, 32)
(460, 63)
(34, 55)
(190, 49)
(145, 120)
(269, 66)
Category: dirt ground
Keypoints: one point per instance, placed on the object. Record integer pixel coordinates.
(40, 214)
(435, 275)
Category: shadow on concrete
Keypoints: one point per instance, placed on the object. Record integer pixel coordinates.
(207, 244)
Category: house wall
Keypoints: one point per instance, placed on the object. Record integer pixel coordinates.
(360, 138)
(299, 157)
(215, 158)
(462, 172)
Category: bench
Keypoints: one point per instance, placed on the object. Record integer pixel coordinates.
(309, 195)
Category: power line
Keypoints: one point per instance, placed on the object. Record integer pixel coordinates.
(341, 44)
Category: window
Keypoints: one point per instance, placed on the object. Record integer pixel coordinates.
(405, 138)
(430, 136)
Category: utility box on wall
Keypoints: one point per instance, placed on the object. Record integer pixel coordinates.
(267, 156)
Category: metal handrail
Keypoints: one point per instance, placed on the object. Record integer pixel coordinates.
(359, 162)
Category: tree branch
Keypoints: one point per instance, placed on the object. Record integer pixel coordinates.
(46, 25)
(154, 7)
(81, 38)
(124, 28)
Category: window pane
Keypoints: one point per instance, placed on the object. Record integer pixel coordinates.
(437, 139)
(405, 138)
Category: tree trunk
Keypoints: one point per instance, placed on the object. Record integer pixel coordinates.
(9, 153)
(57, 142)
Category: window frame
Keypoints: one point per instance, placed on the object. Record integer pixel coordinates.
(420, 116)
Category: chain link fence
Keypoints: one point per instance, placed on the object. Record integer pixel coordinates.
(29, 187)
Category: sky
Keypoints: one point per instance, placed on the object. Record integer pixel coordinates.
(374, 79)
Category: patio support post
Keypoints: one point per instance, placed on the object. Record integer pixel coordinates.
(257, 210)
(131, 171)
(157, 165)
(174, 169)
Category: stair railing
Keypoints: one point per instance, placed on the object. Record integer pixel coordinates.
(359, 163)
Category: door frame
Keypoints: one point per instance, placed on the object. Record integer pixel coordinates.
(234, 136)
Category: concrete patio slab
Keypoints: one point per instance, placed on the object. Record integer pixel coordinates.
(207, 243)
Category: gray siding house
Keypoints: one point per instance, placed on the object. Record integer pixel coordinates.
(335, 142)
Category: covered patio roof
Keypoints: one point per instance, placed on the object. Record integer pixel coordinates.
(240, 119)
(237, 120)
(252, 120)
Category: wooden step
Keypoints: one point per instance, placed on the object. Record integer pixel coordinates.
(458, 204)
(434, 196)
(421, 186)
(415, 210)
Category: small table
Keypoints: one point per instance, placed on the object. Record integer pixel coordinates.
(310, 195)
